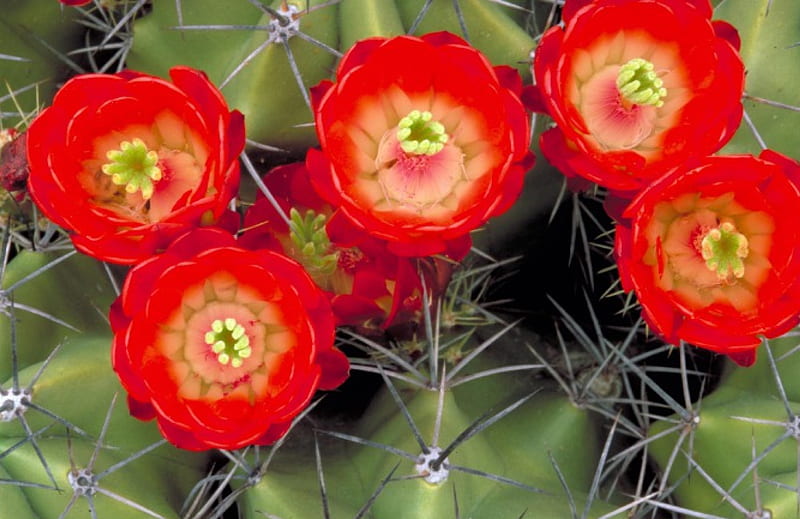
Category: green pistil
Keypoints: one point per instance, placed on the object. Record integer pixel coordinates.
(724, 248)
(311, 242)
(228, 340)
(134, 167)
(639, 84)
(419, 135)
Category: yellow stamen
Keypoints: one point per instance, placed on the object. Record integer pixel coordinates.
(229, 342)
(419, 134)
(639, 84)
(724, 250)
(134, 167)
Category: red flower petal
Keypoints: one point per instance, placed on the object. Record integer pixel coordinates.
(364, 286)
(727, 32)
(186, 123)
(661, 253)
(611, 141)
(162, 354)
(419, 203)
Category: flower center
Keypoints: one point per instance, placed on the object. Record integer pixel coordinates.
(134, 167)
(723, 249)
(229, 342)
(638, 83)
(418, 134)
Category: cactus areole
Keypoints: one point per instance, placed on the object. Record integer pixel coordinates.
(284, 24)
(13, 403)
(431, 468)
(83, 482)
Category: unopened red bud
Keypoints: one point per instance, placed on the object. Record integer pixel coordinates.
(14, 162)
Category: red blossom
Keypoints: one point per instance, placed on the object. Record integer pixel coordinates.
(369, 286)
(624, 141)
(222, 345)
(128, 162)
(713, 253)
(75, 2)
(422, 141)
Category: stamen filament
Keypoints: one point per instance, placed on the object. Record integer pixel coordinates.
(134, 167)
(228, 342)
(639, 84)
(724, 249)
(418, 134)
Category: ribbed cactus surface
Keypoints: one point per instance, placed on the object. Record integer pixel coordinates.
(506, 372)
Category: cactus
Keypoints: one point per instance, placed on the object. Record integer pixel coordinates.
(511, 373)
(102, 455)
(272, 57)
(757, 416)
(37, 38)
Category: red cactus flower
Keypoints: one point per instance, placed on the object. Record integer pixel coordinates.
(422, 141)
(75, 2)
(369, 286)
(713, 253)
(636, 87)
(222, 345)
(128, 162)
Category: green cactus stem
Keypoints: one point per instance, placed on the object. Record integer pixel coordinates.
(745, 435)
(35, 36)
(259, 63)
(414, 446)
(99, 456)
(55, 296)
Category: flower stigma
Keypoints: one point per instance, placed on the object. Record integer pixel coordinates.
(229, 342)
(418, 134)
(638, 83)
(133, 166)
(723, 249)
